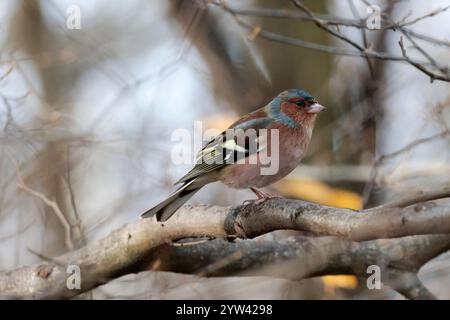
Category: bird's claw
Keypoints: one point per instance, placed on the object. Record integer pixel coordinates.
(262, 197)
(254, 201)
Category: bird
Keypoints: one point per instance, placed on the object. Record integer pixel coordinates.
(234, 157)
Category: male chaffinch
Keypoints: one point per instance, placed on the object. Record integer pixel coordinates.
(235, 159)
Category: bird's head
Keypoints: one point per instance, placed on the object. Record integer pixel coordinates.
(302, 100)
(294, 107)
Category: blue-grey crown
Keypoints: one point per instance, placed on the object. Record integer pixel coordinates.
(292, 93)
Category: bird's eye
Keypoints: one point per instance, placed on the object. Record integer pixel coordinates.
(300, 103)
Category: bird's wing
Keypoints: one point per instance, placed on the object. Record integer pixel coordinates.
(232, 145)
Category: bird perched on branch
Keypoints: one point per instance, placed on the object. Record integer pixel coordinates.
(257, 150)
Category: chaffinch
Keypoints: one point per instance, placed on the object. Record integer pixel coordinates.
(281, 131)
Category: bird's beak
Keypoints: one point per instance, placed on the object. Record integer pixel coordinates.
(315, 108)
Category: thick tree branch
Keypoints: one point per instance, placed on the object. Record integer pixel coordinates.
(120, 252)
(300, 257)
(408, 284)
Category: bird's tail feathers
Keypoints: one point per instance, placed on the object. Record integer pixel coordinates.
(168, 207)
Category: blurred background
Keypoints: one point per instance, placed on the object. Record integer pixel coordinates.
(87, 116)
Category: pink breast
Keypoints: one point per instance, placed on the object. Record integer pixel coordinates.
(291, 148)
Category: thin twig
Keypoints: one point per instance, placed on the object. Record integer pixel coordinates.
(376, 166)
(324, 22)
(418, 197)
(45, 257)
(51, 204)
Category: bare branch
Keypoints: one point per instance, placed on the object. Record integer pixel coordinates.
(123, 249)
(379, 162)
(420, 196)
(408, 284)
(323, 22)
(51, 204)
(323, 26)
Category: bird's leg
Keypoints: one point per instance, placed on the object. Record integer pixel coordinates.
(262, 196)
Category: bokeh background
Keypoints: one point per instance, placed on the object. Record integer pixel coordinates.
(86, 118)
